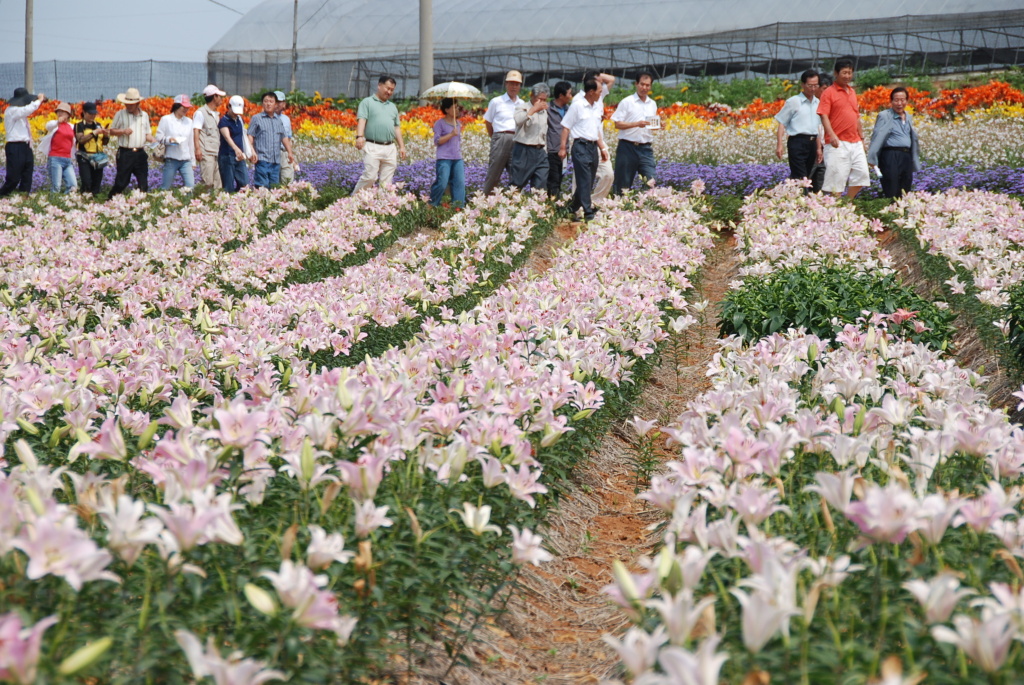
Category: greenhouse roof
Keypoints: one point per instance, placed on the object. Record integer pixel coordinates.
(357, 29)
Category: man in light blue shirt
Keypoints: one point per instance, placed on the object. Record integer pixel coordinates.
(287, 167)
(799, 119)
(267, 135)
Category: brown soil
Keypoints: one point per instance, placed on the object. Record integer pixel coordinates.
(552, 631)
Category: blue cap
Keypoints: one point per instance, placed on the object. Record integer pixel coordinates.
(280, 95)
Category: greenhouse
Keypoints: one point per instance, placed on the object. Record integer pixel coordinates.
(343, 45)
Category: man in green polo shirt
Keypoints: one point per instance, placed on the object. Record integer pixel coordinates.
(377, 132)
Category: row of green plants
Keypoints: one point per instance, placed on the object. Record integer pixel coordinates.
(823, 300)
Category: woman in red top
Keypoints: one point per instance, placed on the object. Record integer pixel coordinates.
(61, 151)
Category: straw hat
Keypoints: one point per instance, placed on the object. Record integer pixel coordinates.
(129, 97)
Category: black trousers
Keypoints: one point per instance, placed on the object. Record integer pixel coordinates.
(90, 177)
(529, 166)
(631, 158)
(803, 153)
(20, 165)
(897, 167)
(129, 163)
(585, 158)
(554, 175)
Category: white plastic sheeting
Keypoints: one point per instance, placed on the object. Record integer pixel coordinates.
(359, 29)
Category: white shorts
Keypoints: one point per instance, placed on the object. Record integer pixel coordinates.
(845, 165)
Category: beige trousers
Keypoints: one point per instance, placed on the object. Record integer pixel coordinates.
(378, 161)
(210, 170)
(287, 170)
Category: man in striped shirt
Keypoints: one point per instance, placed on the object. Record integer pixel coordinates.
(267, 133)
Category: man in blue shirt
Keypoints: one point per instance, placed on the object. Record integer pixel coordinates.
(234, 174)
(799, 119)
(267, 133)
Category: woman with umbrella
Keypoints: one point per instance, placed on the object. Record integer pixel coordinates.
(449, 168)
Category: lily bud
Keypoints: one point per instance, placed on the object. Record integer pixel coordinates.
(27, 426)
(307, 461)
(146, 439)
(839, 408)
(85, 656)
(260, 599)
(624, 579)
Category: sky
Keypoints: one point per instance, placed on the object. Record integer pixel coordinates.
(118, 30)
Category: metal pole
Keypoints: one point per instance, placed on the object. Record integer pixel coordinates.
(295, 42)
(426, 45)
(29, 76)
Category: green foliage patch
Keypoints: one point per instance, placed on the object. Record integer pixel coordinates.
(823, 300)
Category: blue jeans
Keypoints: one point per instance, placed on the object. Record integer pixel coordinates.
(234, 174)
(449, 171)
(266, 174)
(174, 166)
(61, 168)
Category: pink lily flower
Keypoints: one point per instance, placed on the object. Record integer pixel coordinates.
(19, 648)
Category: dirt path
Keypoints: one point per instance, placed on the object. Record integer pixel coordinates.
(552, 630)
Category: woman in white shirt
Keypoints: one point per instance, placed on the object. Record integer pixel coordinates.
(175, 132)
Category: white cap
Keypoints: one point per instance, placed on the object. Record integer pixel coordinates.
(212, 90)
(237, 104)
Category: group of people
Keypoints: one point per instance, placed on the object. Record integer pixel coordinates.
(220, 144)
(821, 129)
(529, 139)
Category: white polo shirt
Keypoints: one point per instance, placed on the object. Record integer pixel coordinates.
(633, 109)
(501, 113)
(584, 120)
(16, 122)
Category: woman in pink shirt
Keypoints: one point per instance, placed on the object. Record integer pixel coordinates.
(62, 145)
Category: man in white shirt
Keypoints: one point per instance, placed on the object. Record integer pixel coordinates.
(18, 149)
(583, 123)
(206, 140)
(132, 128)
(633, 153)
(501, 127)
(605, 174)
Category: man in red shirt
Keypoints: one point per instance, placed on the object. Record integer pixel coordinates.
(846, 164)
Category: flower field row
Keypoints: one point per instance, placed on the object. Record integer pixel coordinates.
(784, 227)
(970, 241)
(978, 233)
(809, 261)
(166, 489)
(947, 103)
(831, 508)
(955, 128)
(837, 504)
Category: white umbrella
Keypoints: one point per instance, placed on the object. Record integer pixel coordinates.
(453, 89)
